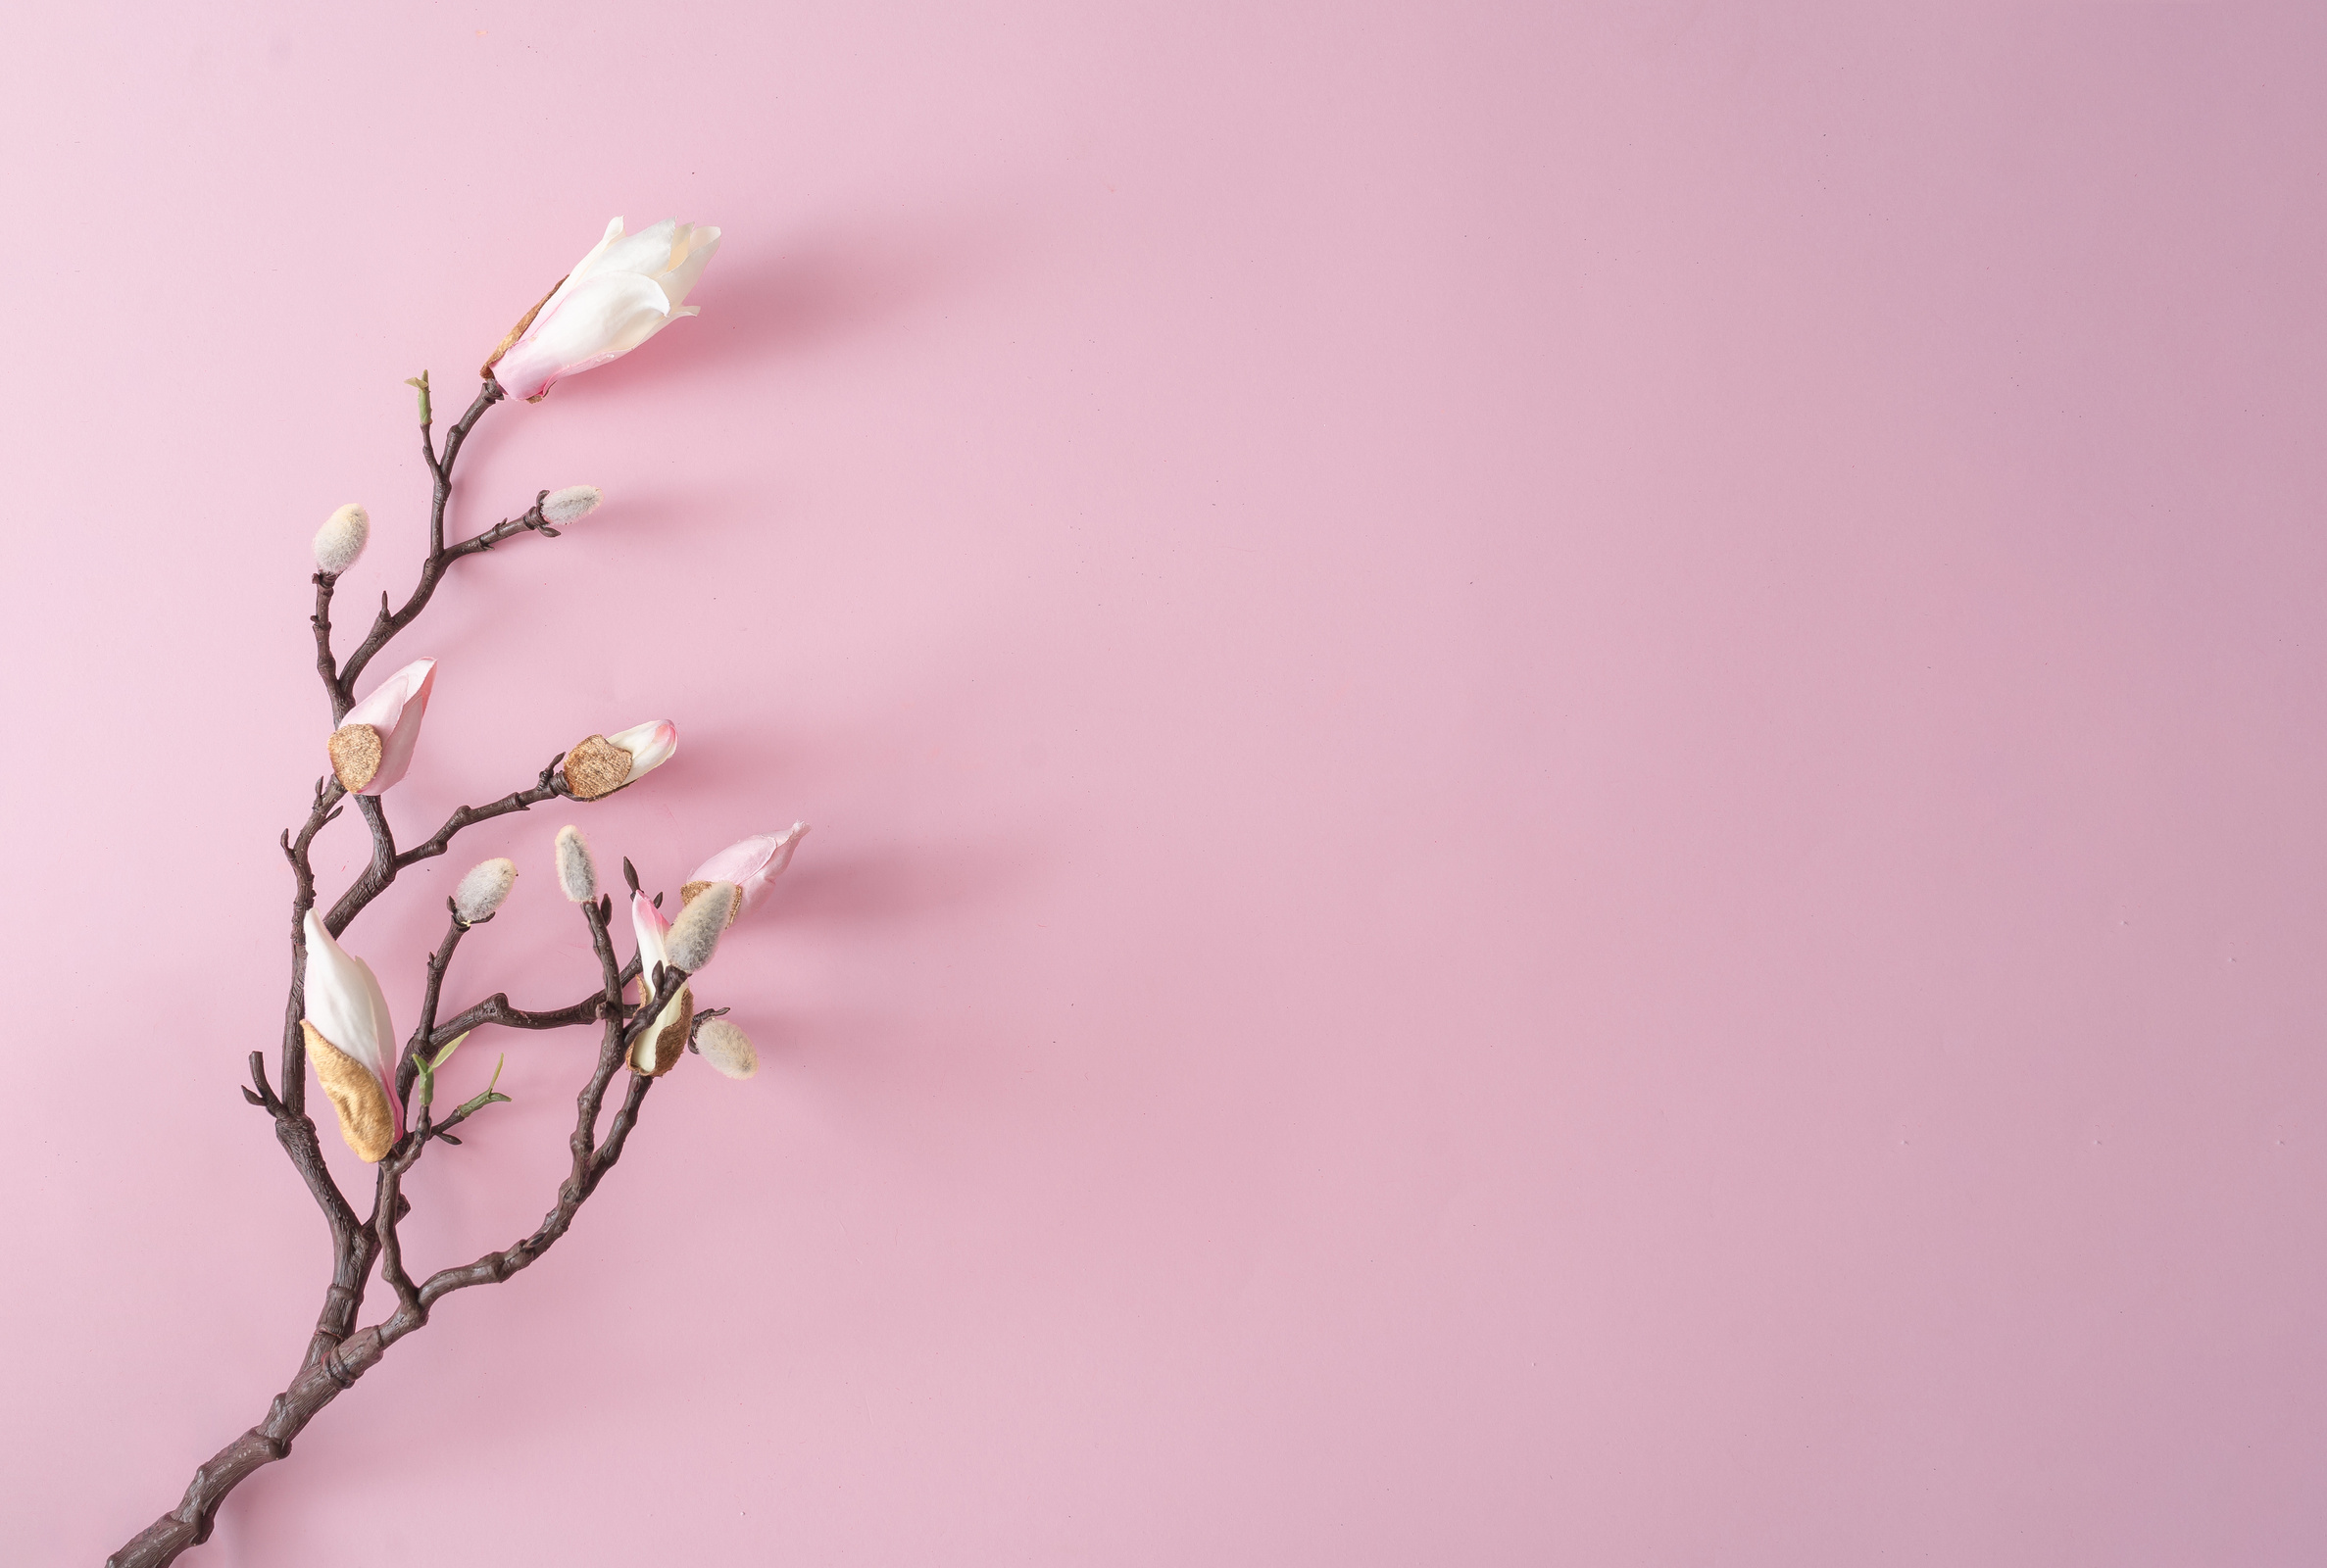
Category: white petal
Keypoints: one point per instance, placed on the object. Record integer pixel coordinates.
(646, 252)
(580, 269)
(649, 927)
(681, 280)
(605, 316)
(649, 745)
(344, 1000)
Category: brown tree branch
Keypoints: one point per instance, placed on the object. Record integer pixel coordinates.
(327, 796)
(389, 622)
(325, 581)
(337, 1352)
(408, 1066)
(548, 787)
(335, 1362)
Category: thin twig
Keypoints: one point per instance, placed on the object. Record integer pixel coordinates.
(389, 622)
(495, 1008)
(408, 1066)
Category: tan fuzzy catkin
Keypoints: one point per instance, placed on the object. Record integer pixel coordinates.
(727, 1049)
(341, 538)
(578, 873)
(484, 889)
(695, 935)
(571, 504)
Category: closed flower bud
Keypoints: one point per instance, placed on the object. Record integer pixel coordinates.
(727, 1049)
(695, 935)
(604, 763)
(570, 505)
(373, 745)
(341, 538)
(751, 864)
(629, 289)
(578, 873)
(351, 1042)
(657, 1049)
(484, 889)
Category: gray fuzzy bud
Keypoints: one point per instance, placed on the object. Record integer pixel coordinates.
(578, 873)
(484, 889)
(570, 505)
(695, 934)
(341, 538)
(727, 1049)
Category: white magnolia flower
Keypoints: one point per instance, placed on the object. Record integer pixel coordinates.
(352, 1043)
(622, 293)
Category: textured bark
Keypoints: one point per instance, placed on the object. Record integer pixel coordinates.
(338, 1353)
(316, 1385)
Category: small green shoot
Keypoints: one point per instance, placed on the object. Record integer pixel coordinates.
(469, 1108)
(428, 1067)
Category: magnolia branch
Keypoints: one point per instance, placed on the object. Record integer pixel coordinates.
(335, 1011)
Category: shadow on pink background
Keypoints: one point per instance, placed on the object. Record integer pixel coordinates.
(1567, 763)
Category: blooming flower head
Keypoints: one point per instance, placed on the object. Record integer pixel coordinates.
(629, 289)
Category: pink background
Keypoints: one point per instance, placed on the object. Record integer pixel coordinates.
(1568, 770)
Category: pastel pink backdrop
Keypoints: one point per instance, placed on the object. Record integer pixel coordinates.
(1568, 770)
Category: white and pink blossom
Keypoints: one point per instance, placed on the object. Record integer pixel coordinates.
(629, 289)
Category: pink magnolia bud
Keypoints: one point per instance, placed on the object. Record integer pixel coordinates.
(600, 764)
(373, 745)
(650, 746)
(751, 864)
(629, 289)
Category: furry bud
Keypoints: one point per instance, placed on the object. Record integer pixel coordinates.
(484, 889)
(727, 1049)
(570, 505)
(578, 873)
(695, 934)
(342, 537)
